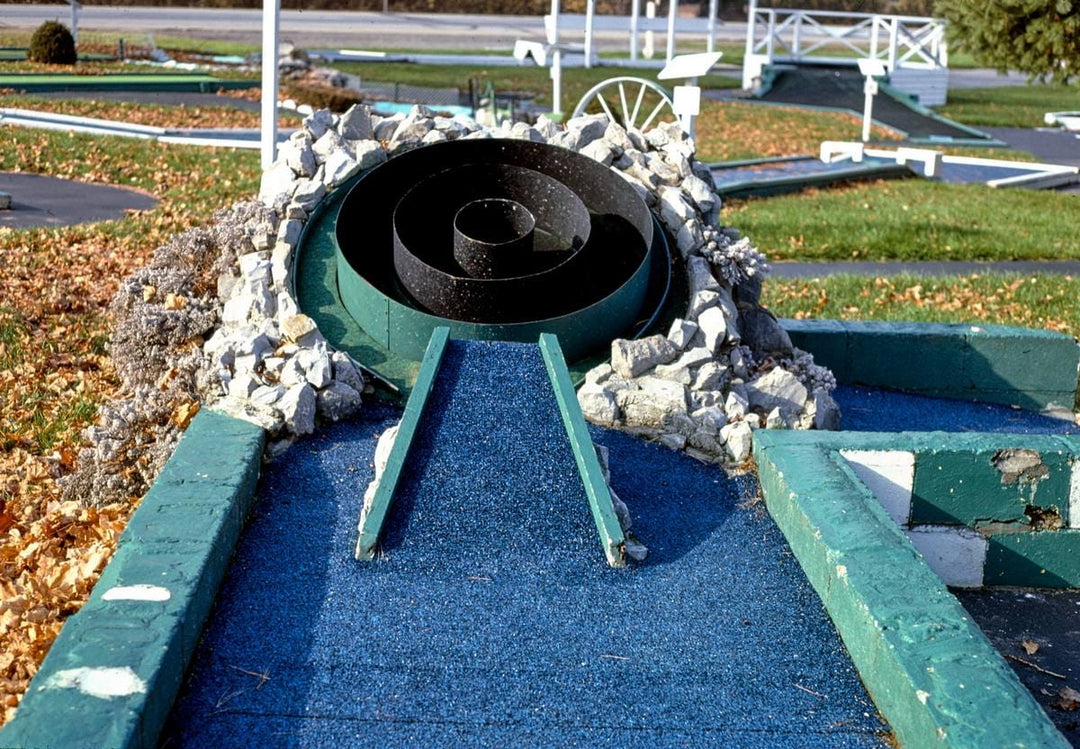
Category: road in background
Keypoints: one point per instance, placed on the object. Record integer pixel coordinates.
(322, 28)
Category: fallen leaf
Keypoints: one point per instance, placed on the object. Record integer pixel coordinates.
(1029, 647)
(1068, 699)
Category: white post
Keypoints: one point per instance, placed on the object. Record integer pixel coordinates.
(271, 12)
(75, 21)
(751, 16)
(556, 82)
(894, 39)
(710, 46)
(770, 46)
(590, 9)
(796, 37)
(553, 29)
(650, 49)
(673, 11)
(635, 12)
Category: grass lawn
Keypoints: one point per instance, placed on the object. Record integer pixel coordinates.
(1035, 301)
(911, 219)
(525, 79)
(1010, 106)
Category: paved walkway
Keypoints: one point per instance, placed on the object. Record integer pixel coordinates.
(38, 200)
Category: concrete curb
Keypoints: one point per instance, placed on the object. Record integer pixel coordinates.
(1033, 369)
(931, 672)
(111, 676)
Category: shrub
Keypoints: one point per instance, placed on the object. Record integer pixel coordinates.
(52, 44)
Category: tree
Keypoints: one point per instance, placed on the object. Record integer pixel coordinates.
(1037, 37)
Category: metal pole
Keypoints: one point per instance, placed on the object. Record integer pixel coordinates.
(271, 13)
(635, 12)
(75, 21)
(590, 9)
(711, 45)
(673, 10)
(556, 82)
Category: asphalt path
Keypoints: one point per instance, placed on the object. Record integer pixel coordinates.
(327, 28)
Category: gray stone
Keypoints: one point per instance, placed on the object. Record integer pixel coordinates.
(318, 122)
(316, 365)
(673, 441)
(243, 384)
(674, 372)
(763, 334)
(281, 264)
(675, 209)
(301, 159)
(384, 128)
(369, 153)
(297, 408)
(547, 127)
(681, 332)
(599, 374)
(705, 398)
(678, 422)
(345, 371)
(355, 124)
(702, 195)
(700, 275)
(739, 365)
(647, 406)
(777, 388)
(631, 358)
(267, 395)
(434, 136)
(309, 192)
(524, 131)
(292, 372)
(679, 163)
(705, 440)
(736, 405)
(337, 401)
(617, 137)
(738, 439)
(597, 404)
(599, 150)
(700, 302)
(587, 128)
(637, 139)
(286, 305)
(241, 408)
(826, 412)
(664, 172)
(635, 549)
(775, 420)
(711, 417)
(276, 181)
(711, 376)
(713, 326)
(689, 238)
(340, 167)
(289, 232)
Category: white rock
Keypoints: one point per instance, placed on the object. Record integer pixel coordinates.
(777, 388)
(675, 209)
(655, 398)
(617, 136)
(267, 395)
(600, 151)
(340, 167)
(369, 153)
(711, 417)
(241, 408)
(674, 371)
(598, 374)
(300, 158)
(826, 412)
(700, 275)
(702, 195)
(713, 325)
(736, 406)
(292, 372)
(345, 371)
(689, 238)
(681, 332)
(318, 122)
(280, 265)
(700, 302)
(631, 358)
(524, 131)
(309, 192)
(289, 231)
(355, 124)
(384, 127)
(738, 439)
(673, 441)
(664, 172)
(243, 385)
(434, 136)
(775, 420)
(316, 365)
(276, 181)
(597, 404)
(547, 127)
(710, 376)
(587, 128)
(297, 408)
(286, 305)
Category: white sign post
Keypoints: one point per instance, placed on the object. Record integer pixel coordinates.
(271, 13)
(687, 98)
(872, 69)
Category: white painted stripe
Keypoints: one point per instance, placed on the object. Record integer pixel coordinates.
(1074, 495)
(104, 683)
(140, 592)
(889, 474)
(957, 555)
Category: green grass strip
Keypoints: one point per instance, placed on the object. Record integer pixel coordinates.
(374, 515)
(110, 678)
(929, 669)
(603, 509)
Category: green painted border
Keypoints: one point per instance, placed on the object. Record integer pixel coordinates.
(1032, 369)
(373, 516)
(603, 509)
(181, 538)
(929, 669)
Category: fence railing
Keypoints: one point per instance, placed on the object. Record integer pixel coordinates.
(790, 35)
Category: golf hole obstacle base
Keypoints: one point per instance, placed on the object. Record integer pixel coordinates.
(576, 251)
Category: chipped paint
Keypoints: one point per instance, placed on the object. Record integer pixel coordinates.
(1017, 465)
(141, 592)
(104, 683)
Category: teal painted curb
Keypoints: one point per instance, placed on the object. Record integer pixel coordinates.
(1033, 369)
(931, 672)
(374, 514)
(41, 83)
(600, 502)
(146, 612)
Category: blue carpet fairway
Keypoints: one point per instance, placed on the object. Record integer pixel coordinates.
(491, 618)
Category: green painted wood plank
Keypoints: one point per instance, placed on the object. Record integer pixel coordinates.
(603, 509)
(374, 515)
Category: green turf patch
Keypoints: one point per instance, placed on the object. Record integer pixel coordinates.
(1010, 106)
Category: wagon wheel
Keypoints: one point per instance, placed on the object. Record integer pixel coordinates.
(638, 102)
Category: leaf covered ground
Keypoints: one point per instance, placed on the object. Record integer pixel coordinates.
(55, 370)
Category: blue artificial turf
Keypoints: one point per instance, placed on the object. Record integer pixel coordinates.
(872, 410)
(491, 618)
